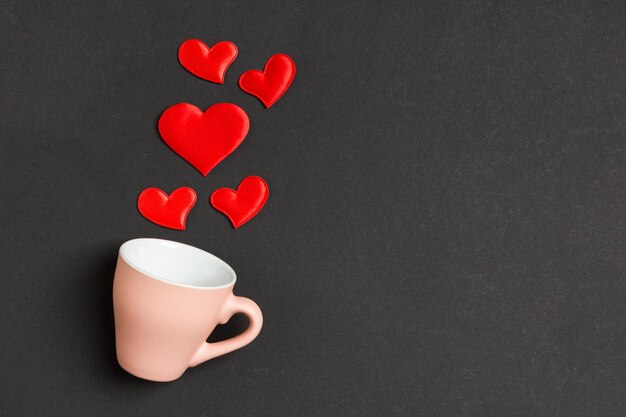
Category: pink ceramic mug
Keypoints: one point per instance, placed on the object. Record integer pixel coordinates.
(168, 297)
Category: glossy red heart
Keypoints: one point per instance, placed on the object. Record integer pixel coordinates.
(167, 211)
(271, 83)
(207, 63)
(241, 205)
(204, 139)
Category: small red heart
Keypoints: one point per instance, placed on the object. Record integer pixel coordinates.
(271, 83)
(204, 139)
(207, 63)
(241, 205)
(167, 211)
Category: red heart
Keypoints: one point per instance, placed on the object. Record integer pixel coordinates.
(271, 83)
(204, 139)
(167, 211)
(207, 63)
(241, 205)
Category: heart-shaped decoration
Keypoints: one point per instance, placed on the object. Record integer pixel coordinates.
(207, 63)
(241, 205)
(271, 83)
(204, 139)
(167, 211)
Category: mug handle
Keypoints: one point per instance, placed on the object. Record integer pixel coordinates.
(232, 306)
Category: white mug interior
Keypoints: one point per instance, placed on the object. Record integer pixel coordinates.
(177, 263)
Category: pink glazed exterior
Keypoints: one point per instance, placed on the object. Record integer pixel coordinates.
(161, 328)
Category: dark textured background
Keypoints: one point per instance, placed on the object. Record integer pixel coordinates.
(445, 234)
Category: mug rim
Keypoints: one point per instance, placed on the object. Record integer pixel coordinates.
(166, 280)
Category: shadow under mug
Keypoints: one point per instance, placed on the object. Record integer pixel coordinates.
(167, 299)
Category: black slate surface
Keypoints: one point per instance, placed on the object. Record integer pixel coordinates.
(445, 234)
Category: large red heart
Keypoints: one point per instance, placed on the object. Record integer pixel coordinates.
(204, 139)
(167, 211)
(241, 205)
(207, 63)
(271, 83)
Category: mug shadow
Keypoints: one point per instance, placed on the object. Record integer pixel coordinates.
(104, 268)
